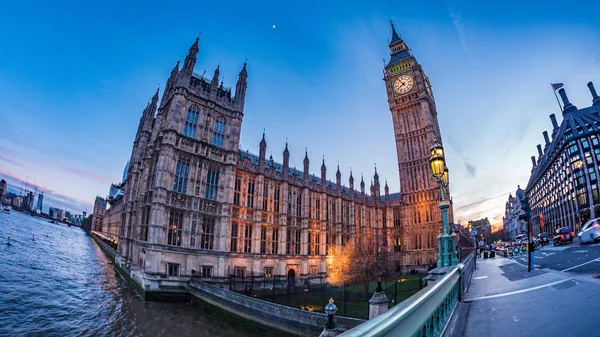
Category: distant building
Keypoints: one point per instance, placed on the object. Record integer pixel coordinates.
(28, 201)
(17, 202)
(2, 190)
(68, 215)
(563, 186)
(99, 210)
(113, 216)
(40, 201)
(484, 229)
(511, 223)
(56, 213)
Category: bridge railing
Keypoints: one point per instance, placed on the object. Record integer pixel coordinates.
(423, 314)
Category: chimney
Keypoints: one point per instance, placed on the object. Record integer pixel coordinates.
(595, 97)
(533, 160)
(567, 106)
(554, 123)
(545, 133)
(539, 147)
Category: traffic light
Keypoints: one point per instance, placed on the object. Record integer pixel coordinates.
(526, 209)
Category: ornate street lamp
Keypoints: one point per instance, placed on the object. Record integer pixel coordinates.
(446, 243)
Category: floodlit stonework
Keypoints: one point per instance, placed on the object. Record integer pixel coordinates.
(195, 204)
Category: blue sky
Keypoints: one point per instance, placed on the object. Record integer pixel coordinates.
(74, 79)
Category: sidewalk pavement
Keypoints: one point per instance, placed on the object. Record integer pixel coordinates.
(504, 299)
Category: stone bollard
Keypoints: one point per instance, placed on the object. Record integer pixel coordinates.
(330, 328)
(378, 304)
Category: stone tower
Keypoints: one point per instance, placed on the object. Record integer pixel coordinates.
(415, 123)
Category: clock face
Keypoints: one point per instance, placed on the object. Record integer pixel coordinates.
(403, 83)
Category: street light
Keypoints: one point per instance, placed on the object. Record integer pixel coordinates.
(446, 242)
(330, 310)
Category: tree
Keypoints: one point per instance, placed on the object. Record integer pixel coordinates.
(362, 261)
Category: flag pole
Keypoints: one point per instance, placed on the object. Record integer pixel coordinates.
(557, 101)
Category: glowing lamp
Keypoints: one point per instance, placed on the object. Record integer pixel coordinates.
(436, 160)
(445, 178)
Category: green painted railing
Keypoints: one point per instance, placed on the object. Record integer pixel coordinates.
(422, 315)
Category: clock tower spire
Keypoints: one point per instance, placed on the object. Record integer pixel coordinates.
(414, 118)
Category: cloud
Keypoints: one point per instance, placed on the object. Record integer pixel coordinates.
(472, 169)
(83, 173)
(459, 25)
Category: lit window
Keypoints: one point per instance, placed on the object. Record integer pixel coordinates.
(268, 272)
(250, 199)
(208, 233)
(237, 191)
(234, 237)
(313, 270)
(248, 239)
(175, 226)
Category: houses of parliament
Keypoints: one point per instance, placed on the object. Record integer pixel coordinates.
(195, 204)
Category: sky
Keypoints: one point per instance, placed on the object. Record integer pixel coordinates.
(75, 77)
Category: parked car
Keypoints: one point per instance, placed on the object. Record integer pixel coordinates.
(563, 235)
(544, 238)
(590, 232)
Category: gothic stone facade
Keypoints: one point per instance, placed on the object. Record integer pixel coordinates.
(195, 204)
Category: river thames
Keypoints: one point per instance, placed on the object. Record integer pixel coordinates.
(61, 284)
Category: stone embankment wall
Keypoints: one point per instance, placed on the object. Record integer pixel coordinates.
(281, 317)
(292, 320)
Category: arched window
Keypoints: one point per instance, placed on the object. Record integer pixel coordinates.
(218, 133)
(191, 121)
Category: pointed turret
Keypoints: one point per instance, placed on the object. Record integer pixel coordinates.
(595, 97)
(286, 161)
(396, 45)
(190, 59)
(386, 191)
(376, 187)
(262, 153)
(362, 185)
(215, 80)
(241, 86)
(351, 181)
(323, 172)
(170, 82)
(306, 162)
(338, 178)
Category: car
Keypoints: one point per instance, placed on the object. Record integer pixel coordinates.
(590, 232)
(563, 235)
(544, 238)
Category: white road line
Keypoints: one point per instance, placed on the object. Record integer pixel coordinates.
(516, 292)
(479, 277)
(583, 264)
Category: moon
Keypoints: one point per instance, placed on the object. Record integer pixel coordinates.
(273, 26)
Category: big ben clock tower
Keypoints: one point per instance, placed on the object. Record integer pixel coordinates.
(414, 117)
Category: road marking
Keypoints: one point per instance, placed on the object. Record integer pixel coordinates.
(480, 277)
(516, 292)
(580, 251)
(583, 264)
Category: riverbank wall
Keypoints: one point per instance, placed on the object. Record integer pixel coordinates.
(289, 319)
(283, 318)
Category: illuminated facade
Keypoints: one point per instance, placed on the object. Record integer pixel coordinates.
(563, 186)
(195, 203)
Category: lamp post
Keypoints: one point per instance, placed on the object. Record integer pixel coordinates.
(330, 310)
(446, 243)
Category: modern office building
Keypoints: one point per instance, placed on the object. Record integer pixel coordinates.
(194, 201)
(40, 201)
(563, 186)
